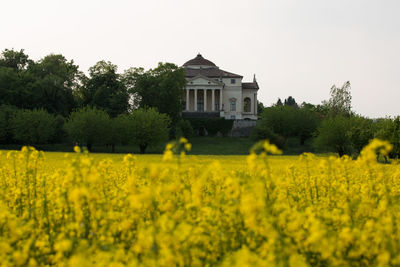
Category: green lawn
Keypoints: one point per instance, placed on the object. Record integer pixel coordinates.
(200, 146)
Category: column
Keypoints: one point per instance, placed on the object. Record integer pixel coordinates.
(205, 99)
(255, 104)
(212, 100)
(220, 99)
(195, 100)
(187, 99)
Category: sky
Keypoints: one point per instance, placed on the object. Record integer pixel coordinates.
(297, 48)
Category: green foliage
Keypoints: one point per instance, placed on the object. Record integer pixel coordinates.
(104, 89)
(287, 121)
(6, 114)
(88, 126)
(32, 127)
(345, 135)
(279, 103)
(290, 101)
(60, 135)
(264, 132)
(211, 125)
(389, 129)
(339, 102)
(333, 135)
(16, 60)
(145, 127)
(184, 129)
(260, 107)
(46, 84)
(55, 78)
(361, 132)
(15, 88)
(161, 88)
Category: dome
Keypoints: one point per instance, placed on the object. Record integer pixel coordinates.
(199, 60)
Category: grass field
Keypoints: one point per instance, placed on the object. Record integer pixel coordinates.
(79, 209)
(204, 145)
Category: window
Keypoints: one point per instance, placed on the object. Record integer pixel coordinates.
(233, 117)
(247, 104)
(233, 104)
(233, 81)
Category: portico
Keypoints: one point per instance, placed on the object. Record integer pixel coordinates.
(203, 100)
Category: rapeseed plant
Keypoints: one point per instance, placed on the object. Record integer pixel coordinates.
(182, 210)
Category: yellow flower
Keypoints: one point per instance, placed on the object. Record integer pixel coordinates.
(183, 140)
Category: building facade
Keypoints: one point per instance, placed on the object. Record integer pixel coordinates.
(212, 92)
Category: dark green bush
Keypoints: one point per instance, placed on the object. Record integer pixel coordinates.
(183, 129)
(211, 126)
(88, 126)
(7, 112)
(32, 127)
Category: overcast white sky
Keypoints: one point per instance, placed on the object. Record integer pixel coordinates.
(296, 48)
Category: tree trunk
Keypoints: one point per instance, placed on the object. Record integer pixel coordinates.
(341, 151)
(142, 149)
(113, 148)
(89, 147)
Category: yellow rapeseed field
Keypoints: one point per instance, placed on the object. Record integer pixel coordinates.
(81, 209)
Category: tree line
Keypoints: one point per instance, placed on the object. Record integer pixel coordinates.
(51, 100)
(331, 126)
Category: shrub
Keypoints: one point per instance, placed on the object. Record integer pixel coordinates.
(333, 135)
(211, 126)
(88, 126)
(7, 112)
(33, 126)
(183, 129)
(146, 127)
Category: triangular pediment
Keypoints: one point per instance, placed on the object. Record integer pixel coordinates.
(203, 80)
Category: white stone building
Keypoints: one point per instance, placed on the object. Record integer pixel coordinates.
(212, 92)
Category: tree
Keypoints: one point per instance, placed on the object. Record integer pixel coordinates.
(88, 126)
(278, 103)
(48, 83)
(55, 80)
(290, 101)
(264, 132)
(184, 129)
(339, 102)
(15, 80)
(287, 121)
(6, 114)
(16, 60)
(104, 89)
(389, 129)
(260, 107)
(361, 132)
(147, 127)
(333, 135)
(161, 88)
(32, 127)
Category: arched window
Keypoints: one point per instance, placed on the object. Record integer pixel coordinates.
(233, 104)
(247, 105)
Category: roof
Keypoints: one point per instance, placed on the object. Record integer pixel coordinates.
(204, 67)
(253, 85)
(210, 73)
(199, 60)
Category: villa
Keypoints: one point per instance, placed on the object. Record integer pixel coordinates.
(213, 92)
